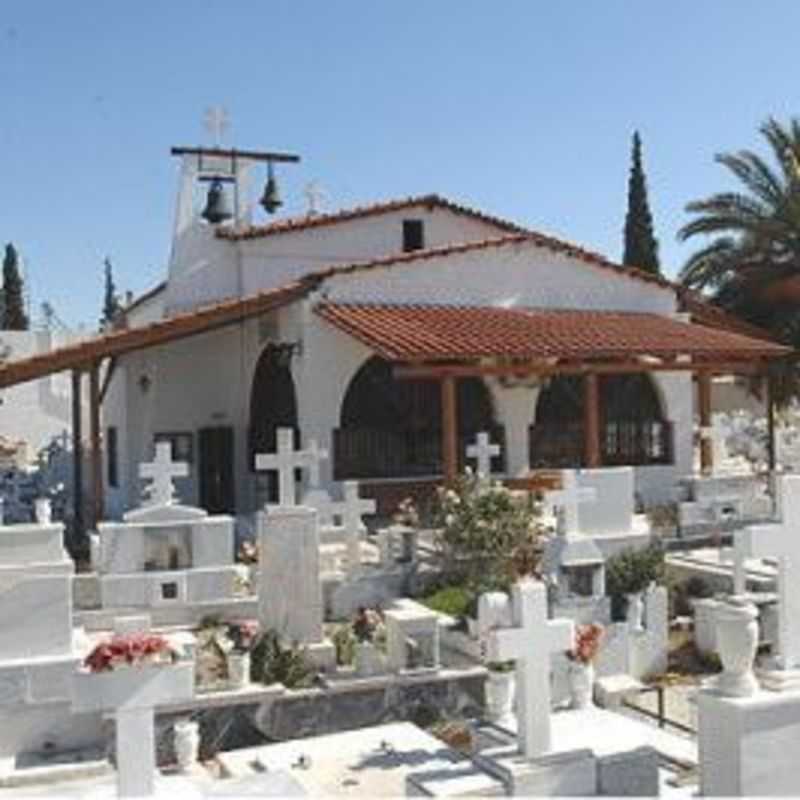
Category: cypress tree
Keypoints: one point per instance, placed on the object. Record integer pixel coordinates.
(641, 247)
(111, 304)
(14, 316)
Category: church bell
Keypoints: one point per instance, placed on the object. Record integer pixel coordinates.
(217, 206)
(271, 199)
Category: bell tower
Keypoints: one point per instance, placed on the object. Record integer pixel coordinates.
(226, 175)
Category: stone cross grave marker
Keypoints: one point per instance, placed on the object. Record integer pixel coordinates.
(483, 452)
(353, 508)
(781, 540)
(568, 499)
(530, 642)
(131, 695)
(161, 472)
(286, 460)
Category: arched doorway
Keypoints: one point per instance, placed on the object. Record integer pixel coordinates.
(273, 405)
(392, 428)
(634, 430)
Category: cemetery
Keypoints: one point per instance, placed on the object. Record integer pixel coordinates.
(394, 527)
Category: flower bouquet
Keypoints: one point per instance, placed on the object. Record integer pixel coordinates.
(131, 650)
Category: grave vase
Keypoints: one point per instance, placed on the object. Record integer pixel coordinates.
(238, 669)
(43, 510)
(581, 684)
(737, 642)
(369, 660)
(636, 612)
(500, 688)
(187, 743)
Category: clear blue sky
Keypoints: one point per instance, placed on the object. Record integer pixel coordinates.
(524, 109)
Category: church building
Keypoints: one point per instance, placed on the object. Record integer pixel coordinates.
(390, 334)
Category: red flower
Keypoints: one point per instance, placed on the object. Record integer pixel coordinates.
(587, 643)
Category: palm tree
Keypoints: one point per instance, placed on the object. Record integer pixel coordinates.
(751, 266)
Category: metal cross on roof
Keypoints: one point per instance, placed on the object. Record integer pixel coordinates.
(217, 122)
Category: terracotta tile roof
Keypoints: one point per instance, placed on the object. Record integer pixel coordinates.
(373, 209)
(705, 313)
(179, 326)
(458, 333)
(517, 234)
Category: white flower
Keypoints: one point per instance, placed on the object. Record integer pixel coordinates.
(449, 520)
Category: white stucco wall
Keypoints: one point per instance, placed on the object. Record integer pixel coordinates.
(515, 275)
(36, 411)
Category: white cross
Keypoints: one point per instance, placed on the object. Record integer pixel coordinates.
(352, 509)
(781, 540)
(568, 500)
(315, 195)
(286, 460)
(160, 473)
(483, 452)
(216, 122)
(530, 642)
(316, 456)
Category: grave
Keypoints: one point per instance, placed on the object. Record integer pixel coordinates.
(175, 560)
(412, 632)
(37, 653)
(780, 541)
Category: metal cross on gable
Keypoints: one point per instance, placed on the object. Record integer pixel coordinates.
(217, 123)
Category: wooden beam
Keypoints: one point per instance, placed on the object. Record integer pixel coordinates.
(249, 155)
(449, 430)
(704, 409)
(95, 444)
(437, 372)
(112, 366)
(77, 462)
(771, 449)
(591, 421)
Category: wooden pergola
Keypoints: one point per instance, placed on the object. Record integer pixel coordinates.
(445, 343)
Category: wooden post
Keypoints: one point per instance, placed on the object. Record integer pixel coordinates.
(771, 451)
(77, 461)
(704, 408)
(591, 420)
(449, 429)
(96, 452)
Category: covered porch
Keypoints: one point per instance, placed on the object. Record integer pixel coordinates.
(596, 372)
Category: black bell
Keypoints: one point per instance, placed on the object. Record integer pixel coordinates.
(271, 199)
(217, 208)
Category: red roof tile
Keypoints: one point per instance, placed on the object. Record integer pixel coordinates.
(457, 333)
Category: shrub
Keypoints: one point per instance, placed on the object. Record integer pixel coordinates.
(632, 570)
(273, 662)
(453, 600)
(486, 537)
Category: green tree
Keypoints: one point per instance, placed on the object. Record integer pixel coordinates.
(750, 261)
(14, 316)
(641, 246)
(111, 302)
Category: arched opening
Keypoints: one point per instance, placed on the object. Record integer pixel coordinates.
(634, 430)
(273, 405)
(392, 428)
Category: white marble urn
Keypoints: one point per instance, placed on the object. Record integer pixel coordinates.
(500, 690)
(737, 642)
(636, 612)
(581, 684)
(43, 510)
(187, 743)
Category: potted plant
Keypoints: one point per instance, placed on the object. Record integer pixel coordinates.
(500, 689)
(628, 574)
(581, 668)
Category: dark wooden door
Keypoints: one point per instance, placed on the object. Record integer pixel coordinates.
(216, 470)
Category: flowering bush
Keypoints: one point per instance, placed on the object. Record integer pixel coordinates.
(486, 536)
(248, 553)
(130, 650)
(587, 643)
(238, 635)
(406, 513)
